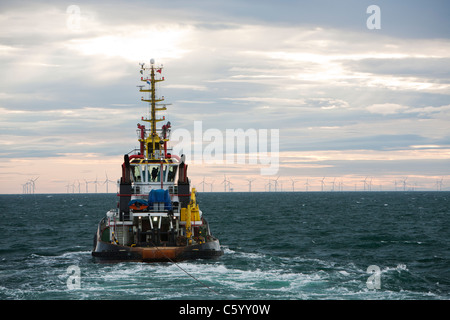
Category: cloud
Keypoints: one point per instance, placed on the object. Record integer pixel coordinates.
(387, 108)
(313, 71)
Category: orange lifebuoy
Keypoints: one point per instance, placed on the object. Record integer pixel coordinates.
(138, 207)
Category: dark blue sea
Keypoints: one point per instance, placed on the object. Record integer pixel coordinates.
(278, 246)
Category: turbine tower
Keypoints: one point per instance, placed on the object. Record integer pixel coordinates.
(439, 184)
(276, 183)
(323, 183)
(87, 183)
(230, 189)
(293, 184)
(32, 184)
(332, 184)
(341, 185)
(96, 183)
(224, 182)
(365, 182)
(203, 184)
(250, 184)
(25, 187)
(211, 185)
(68, 186)
(267, 186)
(107, 181)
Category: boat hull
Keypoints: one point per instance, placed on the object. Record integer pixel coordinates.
(105, 251)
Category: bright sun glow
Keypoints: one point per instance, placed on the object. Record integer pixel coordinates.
(136, 45)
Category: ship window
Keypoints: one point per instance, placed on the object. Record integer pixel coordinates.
(136, 173)
(154, 173)
(143, 172)
(165, 173)
(172, 173)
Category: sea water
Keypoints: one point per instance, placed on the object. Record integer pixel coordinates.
(277, 246)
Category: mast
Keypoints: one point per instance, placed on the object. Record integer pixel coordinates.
(152, 142)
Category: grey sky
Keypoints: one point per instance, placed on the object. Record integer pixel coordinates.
(347, 97)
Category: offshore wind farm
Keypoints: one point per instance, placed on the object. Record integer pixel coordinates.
(262, 184)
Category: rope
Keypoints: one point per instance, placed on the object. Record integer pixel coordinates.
(190, 275)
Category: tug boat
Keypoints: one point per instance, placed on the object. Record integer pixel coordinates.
(157, 218)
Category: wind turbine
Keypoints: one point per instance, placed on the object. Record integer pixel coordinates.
(32, 181)
(323, 183)
(404, 184)
(306, 185)
(439, 184)
(276, 183)
(211, 185)
(224, 183)
(230, 189)
(341, 185)
(250, 184)
(364, 183)
(87, 183)
(332, 187)
(25, 187)
(203, 183)
(68, 186)
(293, 184)
(268, 184)
(107, 181)
(96, 183)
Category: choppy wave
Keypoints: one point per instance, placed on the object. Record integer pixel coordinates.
(319, 250)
